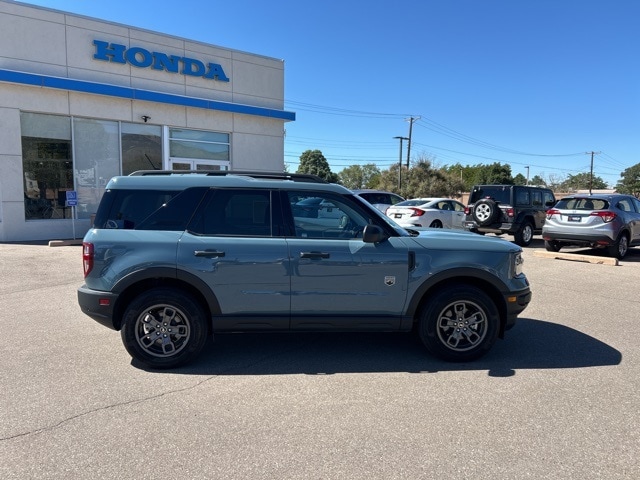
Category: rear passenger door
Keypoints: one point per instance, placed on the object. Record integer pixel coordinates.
(233, 246)
(337, 280)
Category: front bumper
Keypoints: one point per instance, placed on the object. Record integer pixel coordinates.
(98, 305)
(516, 304)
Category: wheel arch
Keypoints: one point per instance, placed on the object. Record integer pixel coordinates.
(135, 283)
(482, 280)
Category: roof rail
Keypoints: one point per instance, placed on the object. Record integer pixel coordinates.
(295, 177)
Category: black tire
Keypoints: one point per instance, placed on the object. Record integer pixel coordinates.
(436, 224)
(459, 324)
(620, 248)
(524, 235)
(164, 328)
(552, 246)
(485, 211)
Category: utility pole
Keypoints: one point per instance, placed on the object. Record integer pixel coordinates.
(411, 120)
(591, 170)
(527, 167)
(400, 164)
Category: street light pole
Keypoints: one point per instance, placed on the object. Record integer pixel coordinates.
(400, 164)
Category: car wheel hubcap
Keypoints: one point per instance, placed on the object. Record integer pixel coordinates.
(483, 212)
(462, 326)
(162, 330)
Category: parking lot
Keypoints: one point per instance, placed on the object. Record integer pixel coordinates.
(557, 399)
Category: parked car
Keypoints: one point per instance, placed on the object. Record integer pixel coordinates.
(604, 221)
(317, 210)
(514, 209)
(428, 212)
(174, 258)
(379, 199)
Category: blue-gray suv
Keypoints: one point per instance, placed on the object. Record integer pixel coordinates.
(176, 257)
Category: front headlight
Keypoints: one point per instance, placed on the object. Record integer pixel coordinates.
(516, 264)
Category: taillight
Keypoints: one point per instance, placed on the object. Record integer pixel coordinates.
(606, 216)
(551, 212)
(467, 210)
(417, 212)
(509, 212)
(87, 257)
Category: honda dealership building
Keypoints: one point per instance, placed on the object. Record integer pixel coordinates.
(83, 99)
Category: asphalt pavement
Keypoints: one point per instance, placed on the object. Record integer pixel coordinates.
(556, 399)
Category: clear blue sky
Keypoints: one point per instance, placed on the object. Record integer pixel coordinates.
(533, 83)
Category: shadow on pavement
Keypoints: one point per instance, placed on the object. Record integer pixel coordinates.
(531, 344)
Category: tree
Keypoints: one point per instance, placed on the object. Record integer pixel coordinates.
(519, 179)
(538, 180)
(630, 181)
(494, 174)
(314, 162)
(582, 181)
(359, 176)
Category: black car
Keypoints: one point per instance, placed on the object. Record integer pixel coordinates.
(514, 209)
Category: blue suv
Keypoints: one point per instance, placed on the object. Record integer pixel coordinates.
(176, 257)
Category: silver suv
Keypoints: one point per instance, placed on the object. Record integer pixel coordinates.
(176, 257)
(604, 221)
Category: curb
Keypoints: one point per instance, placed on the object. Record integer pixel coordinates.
(576, 257)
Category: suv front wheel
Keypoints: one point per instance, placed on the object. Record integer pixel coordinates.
(459, 324)
(164, 328)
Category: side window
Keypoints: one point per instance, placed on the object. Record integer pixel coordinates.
(536, 198)
(625, 204)
(175, 213)
(458, 207)
(549, 200)
(522, 197)
(325, 215)
(128, 209)
(236, 213)
(636, 202)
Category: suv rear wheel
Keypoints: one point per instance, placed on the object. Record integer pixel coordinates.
(459, 324)
(164, 328)
(620, 248)
(524, 235)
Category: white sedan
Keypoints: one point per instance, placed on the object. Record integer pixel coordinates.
(428, 212)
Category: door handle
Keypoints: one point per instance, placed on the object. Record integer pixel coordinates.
(209, 253)
(314, 255)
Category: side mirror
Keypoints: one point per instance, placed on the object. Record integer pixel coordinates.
(373, 234)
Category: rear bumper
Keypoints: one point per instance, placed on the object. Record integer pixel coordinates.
(578, 240)
(493, 228)
(98, 305)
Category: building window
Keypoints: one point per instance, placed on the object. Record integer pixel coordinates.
(198, 144)
(141, 147)
(96, 146)
(47, 165)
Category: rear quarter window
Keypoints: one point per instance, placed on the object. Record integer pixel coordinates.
(146, 209)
